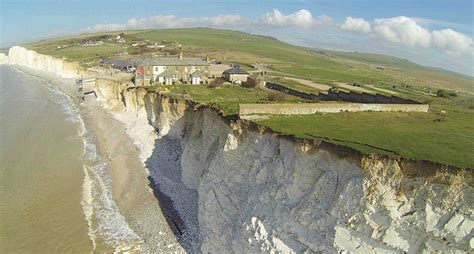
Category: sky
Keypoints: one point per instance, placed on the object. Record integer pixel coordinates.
(436, 33)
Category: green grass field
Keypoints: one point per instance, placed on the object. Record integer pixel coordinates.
(444, 135)
(432, 137)
(226, 97)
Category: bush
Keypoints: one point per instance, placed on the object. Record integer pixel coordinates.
(276, 96)
(217, 82)
(442, 93)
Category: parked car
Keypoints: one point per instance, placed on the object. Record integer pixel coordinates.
(130, 69)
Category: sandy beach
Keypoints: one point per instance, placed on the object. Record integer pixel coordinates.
(131, 187)
(132, 190)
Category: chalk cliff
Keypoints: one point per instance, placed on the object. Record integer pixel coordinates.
(239, 187)
(3, 59)
(242, 188)
(21, 56)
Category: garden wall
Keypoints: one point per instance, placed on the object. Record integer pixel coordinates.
(326, 107)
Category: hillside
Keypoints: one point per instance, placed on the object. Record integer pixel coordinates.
(377, 59)
(444, 135)
(245, 48)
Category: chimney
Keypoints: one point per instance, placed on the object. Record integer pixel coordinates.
(180, 55)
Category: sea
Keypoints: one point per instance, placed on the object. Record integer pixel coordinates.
(55, 189)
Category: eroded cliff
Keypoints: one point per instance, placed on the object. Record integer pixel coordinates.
(242, 188)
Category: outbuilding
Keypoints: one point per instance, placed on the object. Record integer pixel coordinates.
(196, 78)
(255, 80)
(235, 73)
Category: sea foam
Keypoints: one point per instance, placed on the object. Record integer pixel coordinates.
(100, 210)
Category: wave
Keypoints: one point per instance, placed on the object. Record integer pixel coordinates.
(100, 210)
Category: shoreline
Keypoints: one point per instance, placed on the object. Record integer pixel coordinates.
(248, 180)
(131, 188)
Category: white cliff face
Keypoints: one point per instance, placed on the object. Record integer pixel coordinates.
(29, 58)
(3, 59)
(242, 191)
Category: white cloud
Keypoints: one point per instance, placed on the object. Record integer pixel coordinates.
(451, 41)
(356, 25)
(169, 21)
(407, 31)
(301, 18)
(402, 30)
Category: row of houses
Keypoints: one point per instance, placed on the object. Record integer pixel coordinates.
(172, 70)
(181, 70)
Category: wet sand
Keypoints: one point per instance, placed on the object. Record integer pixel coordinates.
(131, 188)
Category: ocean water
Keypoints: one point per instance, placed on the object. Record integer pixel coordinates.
(55, 193)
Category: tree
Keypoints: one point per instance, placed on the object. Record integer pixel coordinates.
(216, 82)
(442, 93)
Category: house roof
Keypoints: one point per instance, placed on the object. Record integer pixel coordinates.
(235, 70)
(119, 62)
(165, 61)
(196, 74)
(166, 74)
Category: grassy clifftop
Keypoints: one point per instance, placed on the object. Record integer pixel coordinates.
(444, 135)
(245, 48)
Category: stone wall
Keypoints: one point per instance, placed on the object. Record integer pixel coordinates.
(342, 96)
(322, 107)
(284, 89)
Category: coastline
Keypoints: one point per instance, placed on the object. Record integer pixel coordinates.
(254, 189)
(130, 187)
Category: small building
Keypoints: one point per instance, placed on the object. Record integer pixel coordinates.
(235, 73)
(196, 78)
(255, 80)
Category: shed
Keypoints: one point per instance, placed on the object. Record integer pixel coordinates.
(255, 80)
(196, 78)
(235, 73)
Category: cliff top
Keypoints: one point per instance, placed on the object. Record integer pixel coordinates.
(444, 135)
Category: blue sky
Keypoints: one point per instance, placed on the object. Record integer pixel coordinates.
(436, 33)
